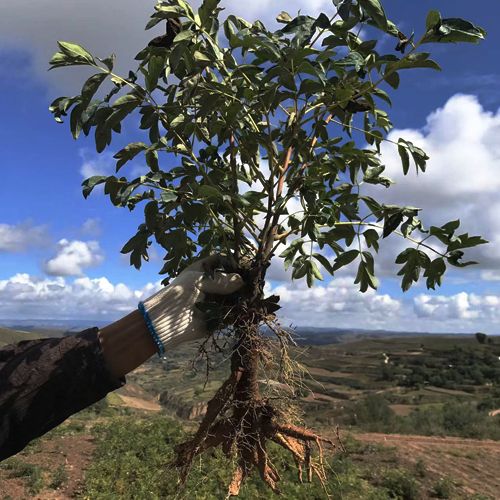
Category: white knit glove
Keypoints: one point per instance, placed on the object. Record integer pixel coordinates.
(171, 315)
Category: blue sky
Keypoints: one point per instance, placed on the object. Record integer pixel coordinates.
(59, 253)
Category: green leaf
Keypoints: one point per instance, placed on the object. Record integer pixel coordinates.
(126, 100)
(375, 10)
(156, 66)
(392, 79)
(391, 223)
(76, 52)
(322, 22)
(168, 11)
(372, 238)
(324, 262)
(434, 273)
(465, 241)
(207, 13)
(419, 156)
(300, 269)
(405, 157)
(91, 86)
(345, 259)
(200, 57)
(343, 8)
(183, 36)
(152, 160)
(168, 196)
(365, 277)
(455, 30)
(109, 62)
(433, 20)
(283, 17)
(75, 121)
(90, 183)
(413, 261)
(151, 214)
(413, 61)
(128, 153)
(315, 271)
(206, 191)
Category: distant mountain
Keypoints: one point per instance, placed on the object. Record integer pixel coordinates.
(9, 336)
(302, 334)
(322, 336)
(76, 325)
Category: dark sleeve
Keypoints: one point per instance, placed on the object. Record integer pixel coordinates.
(43, 382)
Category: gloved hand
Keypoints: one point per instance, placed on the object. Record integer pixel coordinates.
(171, 315)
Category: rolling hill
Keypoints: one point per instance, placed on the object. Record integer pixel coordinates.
(9, 336)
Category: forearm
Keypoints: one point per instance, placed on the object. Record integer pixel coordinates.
(126, 344)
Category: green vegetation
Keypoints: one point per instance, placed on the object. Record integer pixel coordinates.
(399, 484)
(29, 473)
(133, 461)
(443, 488)
(463, 367)
(59, 478)
(374, 414)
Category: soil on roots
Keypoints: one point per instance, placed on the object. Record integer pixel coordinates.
(242, 422)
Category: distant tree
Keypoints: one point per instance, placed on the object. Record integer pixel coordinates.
(242, 124)
(481, 337)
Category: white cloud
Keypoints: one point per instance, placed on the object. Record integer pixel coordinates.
(462, 180)
(92, 227)
(461, 306)
(73, 257)
(25, 296)
(490, 275)
(338, 303)
(19, 237)
(105, 27)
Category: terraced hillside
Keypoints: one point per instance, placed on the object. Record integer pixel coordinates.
(436, 392)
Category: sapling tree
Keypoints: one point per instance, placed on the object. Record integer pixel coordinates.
(242, 122)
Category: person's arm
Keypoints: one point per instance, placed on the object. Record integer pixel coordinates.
(126, 344)
(43, 382)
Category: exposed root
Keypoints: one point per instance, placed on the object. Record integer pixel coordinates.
(241, 422)
(236, 482)
(208, 434)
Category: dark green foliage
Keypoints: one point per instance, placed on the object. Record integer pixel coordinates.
(443, 488)
(400, 485)
(457, 368)
(373, 414)
(481, 337)
(217, 97)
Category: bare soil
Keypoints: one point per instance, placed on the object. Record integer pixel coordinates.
(74, 453)
(473, 465)
(139, 403)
